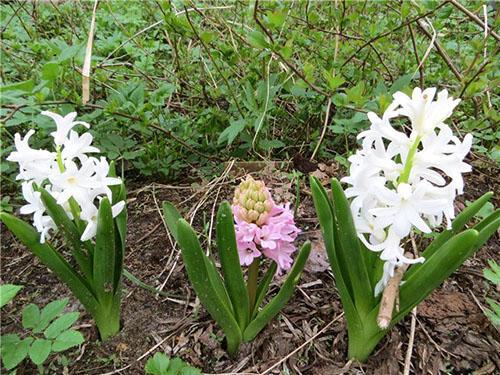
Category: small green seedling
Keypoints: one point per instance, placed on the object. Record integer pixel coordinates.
(47, 331)
(8, 292)
(493, 274)
(160, 364)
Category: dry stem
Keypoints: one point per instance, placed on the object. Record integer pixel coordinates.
(389, 296)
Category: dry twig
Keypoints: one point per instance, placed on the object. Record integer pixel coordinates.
(325, 125)
(88, 59)
(389, 297)
(473, 17)
(440, 50)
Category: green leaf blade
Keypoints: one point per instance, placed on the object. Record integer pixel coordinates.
(40, 350)
(230, 262)
(31, 316)
(361, 284)
(14, 352)
(52, 259)
(327, 221)
(66, 340)
(280, 300)
(50, 312)
(61, 324)
(195, 262)
(435, 270)
(8, 292)
(104, 254)
(171, 217)
(264, 287)
(468, 213)
(71, 233)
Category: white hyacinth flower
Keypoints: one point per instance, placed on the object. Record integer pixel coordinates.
(68, 174)
(425, 113)
(78, 146)
(89, 214)
(64, 125)
(402, 182)
(35, 205)
(74, 182)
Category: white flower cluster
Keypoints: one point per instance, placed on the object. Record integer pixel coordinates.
(77, 181)
(399, 182)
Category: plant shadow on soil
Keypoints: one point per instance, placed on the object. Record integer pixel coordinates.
(452, 334)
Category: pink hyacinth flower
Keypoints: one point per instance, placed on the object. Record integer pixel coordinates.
(272, 237)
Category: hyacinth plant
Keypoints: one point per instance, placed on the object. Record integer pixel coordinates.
(262, 228)
(398, 184)
(80, 195)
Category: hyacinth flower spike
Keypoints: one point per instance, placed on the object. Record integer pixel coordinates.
(398, 183)
(262, 229)
(80, 195)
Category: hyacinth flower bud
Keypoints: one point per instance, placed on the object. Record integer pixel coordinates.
(263, 227)
(253, 201)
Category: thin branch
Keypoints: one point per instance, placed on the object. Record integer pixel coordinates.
(382, 35)
(419, 63)
(156, 24)
(473, 17)
(170, 134)
(130, 117)
(479, 71)
(229, 89)
(325, 125)
(285, 61)
(440, 50)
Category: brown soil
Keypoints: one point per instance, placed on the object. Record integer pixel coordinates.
(452, 334)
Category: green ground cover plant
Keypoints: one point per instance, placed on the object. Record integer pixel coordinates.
(176, 84)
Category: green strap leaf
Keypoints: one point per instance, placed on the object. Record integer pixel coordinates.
(264, 287)
(171, 217)
(466, 215)
(326, 219)
(485, 233)
(435, 270)
(104, 253)
(120, 246)
(487, 220)
(71, 233)
(351, 251)
(217, 283)
(458, 224)
(195, 261)
(280, 300)
(52, 259)
(230, 263)
(374, 265)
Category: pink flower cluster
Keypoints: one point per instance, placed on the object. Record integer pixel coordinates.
(274, 238)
